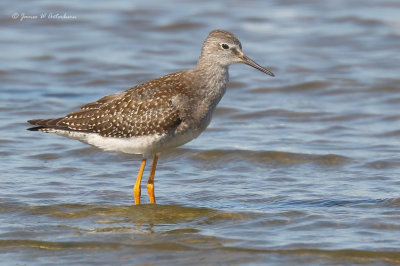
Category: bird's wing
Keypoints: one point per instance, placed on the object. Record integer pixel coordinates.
(145, 109)
(101, 101)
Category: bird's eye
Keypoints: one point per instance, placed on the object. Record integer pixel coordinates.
(225, 46)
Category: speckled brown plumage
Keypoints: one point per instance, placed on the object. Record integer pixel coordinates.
(142, 110)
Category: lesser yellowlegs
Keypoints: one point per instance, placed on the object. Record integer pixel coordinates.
(159, 114)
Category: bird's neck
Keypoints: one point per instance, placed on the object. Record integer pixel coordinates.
(213, 79)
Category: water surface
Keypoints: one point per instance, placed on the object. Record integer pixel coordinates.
(302, 168)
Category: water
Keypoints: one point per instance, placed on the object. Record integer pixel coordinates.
(302, 168)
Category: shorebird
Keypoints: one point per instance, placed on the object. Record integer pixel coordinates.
(159, 114)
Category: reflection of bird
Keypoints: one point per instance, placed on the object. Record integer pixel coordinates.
(159, 114)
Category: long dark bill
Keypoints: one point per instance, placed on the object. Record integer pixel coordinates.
(250, 62)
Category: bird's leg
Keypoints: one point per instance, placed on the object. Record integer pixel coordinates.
(150, 183)
(136, 188)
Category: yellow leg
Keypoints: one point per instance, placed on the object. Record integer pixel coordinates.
(150, 183)
(136, 188)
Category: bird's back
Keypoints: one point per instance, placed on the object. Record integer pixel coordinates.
(145, 109)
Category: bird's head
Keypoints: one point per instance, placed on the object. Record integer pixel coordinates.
(223, 48)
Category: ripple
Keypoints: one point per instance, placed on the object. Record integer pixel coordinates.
(180, 26)
(16, 243)
(383, 164)
(235, 253)
(359, 20)
(306, 86)
(274, 113)
(269, 156)
(392, 202)
(355, 256)
(43, 58)
(144, 213)
(46, 156)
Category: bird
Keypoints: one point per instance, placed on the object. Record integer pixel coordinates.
(159, 114)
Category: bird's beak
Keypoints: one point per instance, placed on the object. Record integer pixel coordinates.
(245, 60)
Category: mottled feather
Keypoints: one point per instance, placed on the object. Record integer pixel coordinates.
(139, 111)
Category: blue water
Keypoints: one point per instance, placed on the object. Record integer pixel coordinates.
(302, 168)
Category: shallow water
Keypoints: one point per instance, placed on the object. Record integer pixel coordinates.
(302, 168)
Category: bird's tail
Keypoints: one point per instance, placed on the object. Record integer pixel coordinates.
(43, 124)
